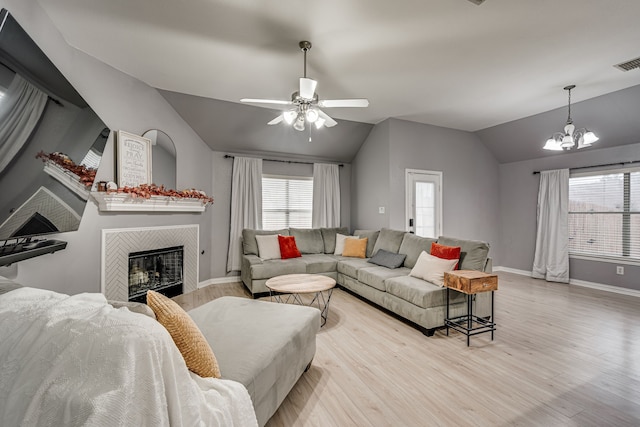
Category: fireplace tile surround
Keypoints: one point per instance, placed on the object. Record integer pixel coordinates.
(118, 243)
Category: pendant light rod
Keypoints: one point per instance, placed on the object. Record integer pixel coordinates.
(305, 46)
(568, 88)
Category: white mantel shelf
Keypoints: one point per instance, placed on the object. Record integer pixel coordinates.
(68, 179)
(117, 202)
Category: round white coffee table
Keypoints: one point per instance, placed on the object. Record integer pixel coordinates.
(289, 288)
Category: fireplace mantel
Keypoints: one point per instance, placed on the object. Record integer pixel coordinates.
(119, 202)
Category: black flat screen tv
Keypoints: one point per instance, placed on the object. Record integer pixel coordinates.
(41, 112)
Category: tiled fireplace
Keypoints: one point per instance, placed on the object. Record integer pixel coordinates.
(146, 258)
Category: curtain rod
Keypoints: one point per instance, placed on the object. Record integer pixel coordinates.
(599, 166)
(229, 156)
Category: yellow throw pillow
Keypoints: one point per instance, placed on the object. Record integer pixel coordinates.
(192, 344)
(356, 248)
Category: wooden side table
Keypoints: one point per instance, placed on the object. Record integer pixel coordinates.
(470, 282)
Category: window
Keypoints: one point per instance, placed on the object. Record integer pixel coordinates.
(604, 214)
(286, 202)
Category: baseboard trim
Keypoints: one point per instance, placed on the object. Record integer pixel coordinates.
(219, 281)
(512, 270)
(577, 282)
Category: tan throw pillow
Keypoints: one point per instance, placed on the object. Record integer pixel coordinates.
(431, 268)
(356, 248)
(192, 344)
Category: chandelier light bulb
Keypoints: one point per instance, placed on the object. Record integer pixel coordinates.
(552, 144)
(312, 115)
(299, 124)
(290, 116)
(590, 138)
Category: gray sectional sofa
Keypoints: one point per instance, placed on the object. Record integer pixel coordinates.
(413, 299)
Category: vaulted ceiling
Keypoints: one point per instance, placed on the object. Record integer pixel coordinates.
(441, 62)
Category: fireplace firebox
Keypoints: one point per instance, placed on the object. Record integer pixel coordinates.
(160, 270)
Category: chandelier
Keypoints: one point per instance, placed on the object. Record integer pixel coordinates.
(571, 136)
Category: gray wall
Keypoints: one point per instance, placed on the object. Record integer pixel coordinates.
(123, 103)
(470, 179)
(518, 204)
(370, 181)
(222, 170)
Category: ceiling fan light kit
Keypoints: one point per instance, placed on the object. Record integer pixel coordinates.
(305, 103)
(570, 138)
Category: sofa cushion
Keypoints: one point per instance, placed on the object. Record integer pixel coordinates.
(375, 276)
(277, 267)
(350, 266)
(413, 246)
(389, 240)
(268, 246)
(309, 240)
(421, 293)
(473, 253)
(372, 235)
(356, 248)
(192, 344)
(446, 252)
(249, 244)
(387, 259)
(432, 269)
(288, 247)
(329, 237)
(319, 263)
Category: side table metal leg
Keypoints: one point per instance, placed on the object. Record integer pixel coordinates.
(469, 317)
(446, 319)
(493, 320)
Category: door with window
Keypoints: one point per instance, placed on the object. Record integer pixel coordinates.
(424, 202)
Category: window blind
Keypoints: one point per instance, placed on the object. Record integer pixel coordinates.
(604, 214)
(286, 202)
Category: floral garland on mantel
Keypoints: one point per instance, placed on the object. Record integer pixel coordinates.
(84, 174)
(146, 191)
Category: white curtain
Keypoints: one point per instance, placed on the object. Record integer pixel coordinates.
(551, 260)
(326, 195)
(20, 111)
(246, 205)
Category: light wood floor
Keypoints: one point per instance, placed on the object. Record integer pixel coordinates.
(562, 356)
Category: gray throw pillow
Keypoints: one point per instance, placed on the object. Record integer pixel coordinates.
(249, 244)
(308, 240)
(387, 259)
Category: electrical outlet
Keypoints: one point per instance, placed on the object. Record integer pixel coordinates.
(620, 270)
(381, 210)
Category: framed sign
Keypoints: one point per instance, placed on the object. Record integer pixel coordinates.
(133, 160)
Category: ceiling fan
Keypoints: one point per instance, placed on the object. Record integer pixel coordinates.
(304, 103)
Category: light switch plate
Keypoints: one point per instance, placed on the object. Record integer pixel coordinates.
(381, 210)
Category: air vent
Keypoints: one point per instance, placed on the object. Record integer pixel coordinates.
(478, 2)
(629, 65)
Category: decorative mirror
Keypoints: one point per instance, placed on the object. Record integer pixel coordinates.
(163, 158)
(51, 142)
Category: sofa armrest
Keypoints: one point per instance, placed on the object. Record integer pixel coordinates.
(488, 266)
(245, 269)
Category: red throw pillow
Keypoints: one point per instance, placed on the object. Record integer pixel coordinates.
(288, 248)
(446, 252)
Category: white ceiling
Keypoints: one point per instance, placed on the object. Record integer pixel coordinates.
(443, 62)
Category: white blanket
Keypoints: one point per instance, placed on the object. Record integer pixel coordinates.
(76, 360)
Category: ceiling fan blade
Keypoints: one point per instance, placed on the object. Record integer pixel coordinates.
(328, 121)
(334, 103)
(276, 120)
(307, 88)
(266, 101)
